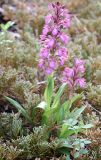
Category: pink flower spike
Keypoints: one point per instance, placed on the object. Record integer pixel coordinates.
(53, 40)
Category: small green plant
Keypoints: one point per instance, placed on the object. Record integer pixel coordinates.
(59, 116)
(20, 109)
(6, 26)
(62, 121)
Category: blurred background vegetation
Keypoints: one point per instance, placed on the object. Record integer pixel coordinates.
(19, 77)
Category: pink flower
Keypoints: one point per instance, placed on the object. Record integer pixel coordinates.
(79, 65)
(41, 63)
(67, 80)
(55, 31)
(42, 38)
(80, 69)
(62, 61)
(64, 38)
(44, 53)
(74, 76)
(78, 62)
(80, 82)
(62, 52)
(48, 70)
(45, 30)
(48, 19)
(67, 23)
(52, 64)
(63, 55)
(68, 72)
(50, 43)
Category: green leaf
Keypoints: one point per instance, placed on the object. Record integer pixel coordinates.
(58, 113)
(68, 157)
(87, 141)
(6, 26)
(66, 105)
(75, 98)
(61, 114)
(71, 122)
(47, 116)
(83, 151)
(65, 131)
(87, 126)
(76, 154)
(49, 90)
(77, 112)
(58, 95)
(19, 108)
(66, 143)
(65, 152)
(42, 105)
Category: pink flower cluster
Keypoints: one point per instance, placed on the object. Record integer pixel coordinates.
(53, 39)
(74, 76)
(53, 52)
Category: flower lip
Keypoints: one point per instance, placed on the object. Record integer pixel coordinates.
(44, 53)
(64, 38)
(78, 62)
(52, 64)
(48, 70)
(81, 82)
(69, 72)
(48, 19)
(55, 31)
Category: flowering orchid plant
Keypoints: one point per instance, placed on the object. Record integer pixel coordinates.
(54, 54)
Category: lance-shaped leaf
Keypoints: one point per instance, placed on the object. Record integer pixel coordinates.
(42, 105)
(58, 95)
(49, 90)
(19, 108)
